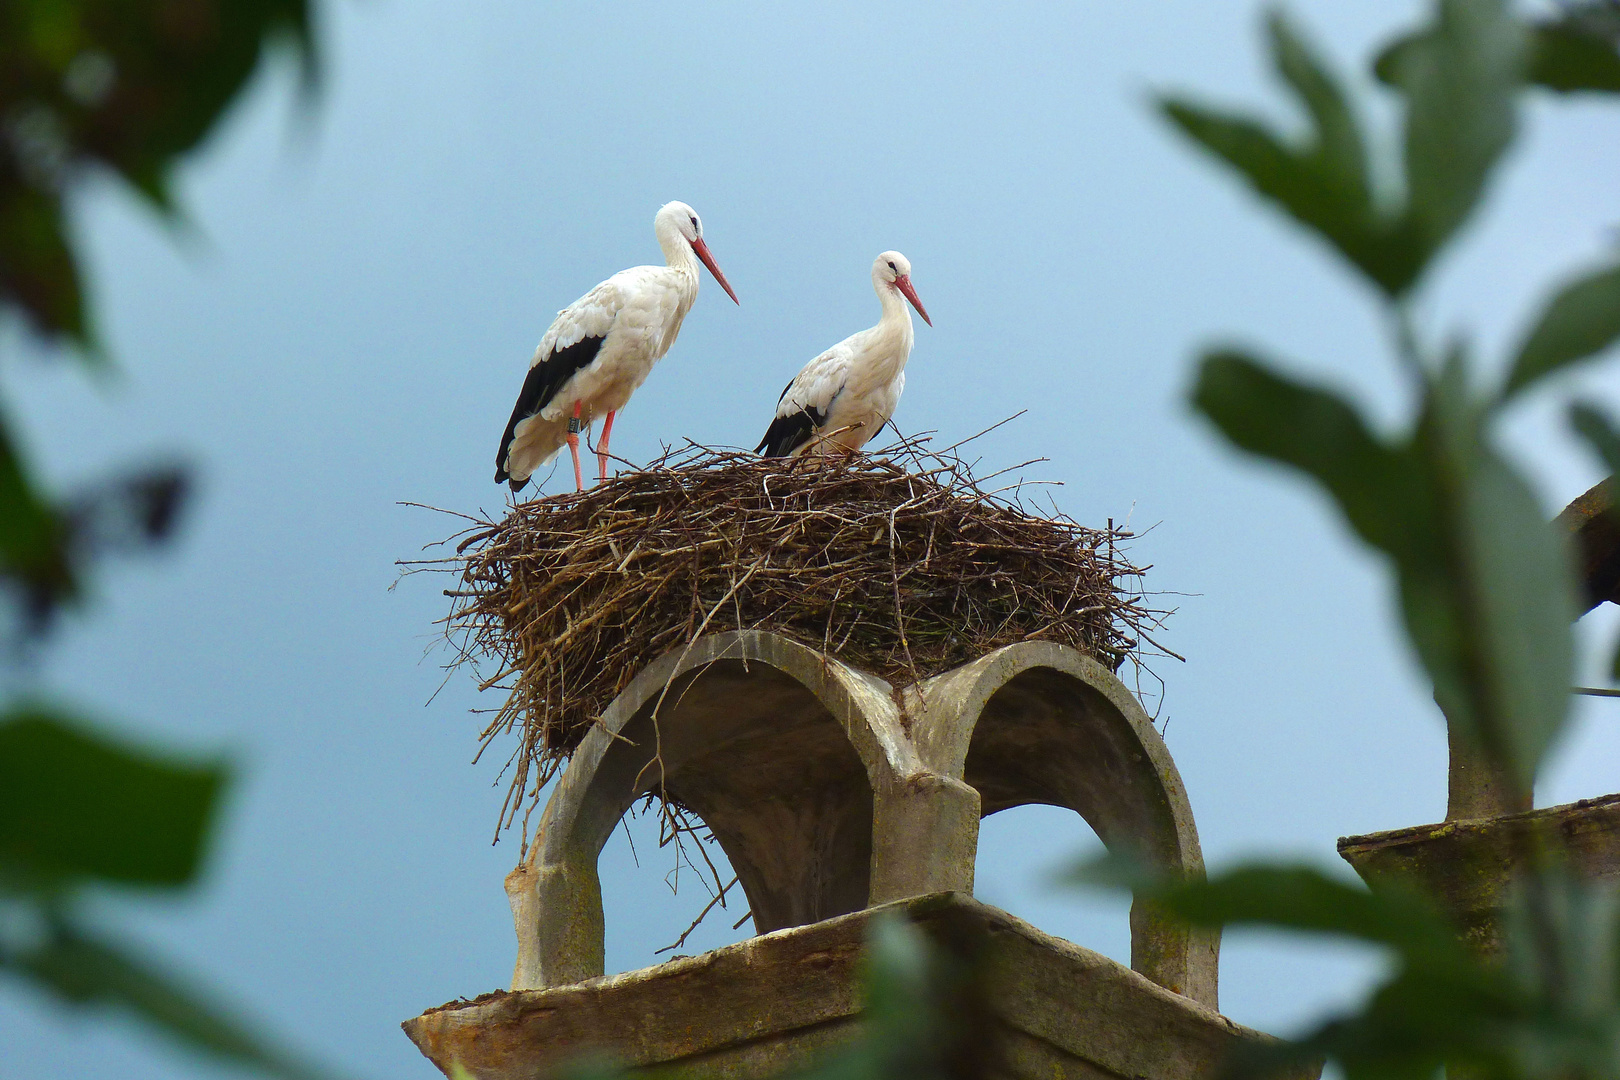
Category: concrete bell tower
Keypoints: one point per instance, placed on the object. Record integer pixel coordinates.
(835, 795)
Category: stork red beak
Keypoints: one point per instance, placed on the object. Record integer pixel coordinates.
(702, 250)
(903, 283)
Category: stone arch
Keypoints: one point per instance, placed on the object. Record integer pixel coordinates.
(1039, 722)
(776, 747)
(831, 792)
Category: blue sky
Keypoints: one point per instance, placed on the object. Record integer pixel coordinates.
(347, 320)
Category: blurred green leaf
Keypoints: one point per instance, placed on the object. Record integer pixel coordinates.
(44, 548)
(900, 1014)
(1323, 436)
(1459, 79)
(922, 1013)
(76, 805)
(1598, 431)
(1321, 180)
(898, 982)
(1485, 587)
(127, 84)
(1304, 898)
(1440, 1003)
(1567, 59)
(1579, 322)
(1563, 56)
(38, 271)
(1563, 949)
(1492, 1019)
(33, 548)
(1339, 153)
(1397, 54)
(1492, 618)
(1292, 897)
(83, 970)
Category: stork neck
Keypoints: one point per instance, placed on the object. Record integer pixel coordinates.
(678, 252)
(895, 308)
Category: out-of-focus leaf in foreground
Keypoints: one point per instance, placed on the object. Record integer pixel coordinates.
(1317, 432)
(1581, 321)
(35, 565)
(1484, 583)
(85, 970)
(1458, 76)
(1568, 58)
(126, 84)
(1602, 435)
(46, 548)
(903, 1034)
(1441, 1005)
(1460, 81)
(1599, 431)
(1320, 178)
(1572, 53)
(76, 805)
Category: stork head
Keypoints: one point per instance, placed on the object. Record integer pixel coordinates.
(892, 271)
(677, 220)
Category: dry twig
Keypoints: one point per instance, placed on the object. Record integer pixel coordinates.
(897, 562)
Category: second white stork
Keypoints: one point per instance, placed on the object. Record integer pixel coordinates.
(843, 397)
(601, 348)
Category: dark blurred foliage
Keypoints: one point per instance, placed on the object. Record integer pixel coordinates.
(1484, 585)
(127, 85)
(131, 87)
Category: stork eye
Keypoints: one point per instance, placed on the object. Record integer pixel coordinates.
(694, 223)
(892, 267)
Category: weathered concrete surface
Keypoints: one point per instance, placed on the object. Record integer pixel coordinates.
(831, 791)
(1594, 525)
(778, 749)
(1052, 1010)
(1040, 723)
(1474, 787)
(1467, 865)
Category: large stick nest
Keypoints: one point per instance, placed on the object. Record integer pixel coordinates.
(900, 563)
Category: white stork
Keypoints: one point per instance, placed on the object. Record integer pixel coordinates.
(843, 397)
(600, 348)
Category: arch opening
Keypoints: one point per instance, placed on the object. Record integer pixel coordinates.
(1046, 737)
(1052, 736)
(1023, 851)
(659, 902)
(756, 755)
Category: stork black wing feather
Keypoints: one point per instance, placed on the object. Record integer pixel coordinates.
(539, 387)
(787, 433)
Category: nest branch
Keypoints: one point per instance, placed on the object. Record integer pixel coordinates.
(898, 562)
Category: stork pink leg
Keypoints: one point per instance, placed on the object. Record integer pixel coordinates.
(601, 447)
(573, 448)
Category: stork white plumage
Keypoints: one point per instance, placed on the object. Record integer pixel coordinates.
(601, 348)
(843, 397)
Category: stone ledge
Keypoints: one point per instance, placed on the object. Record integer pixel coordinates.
(1466, 865)
(772, 1002)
